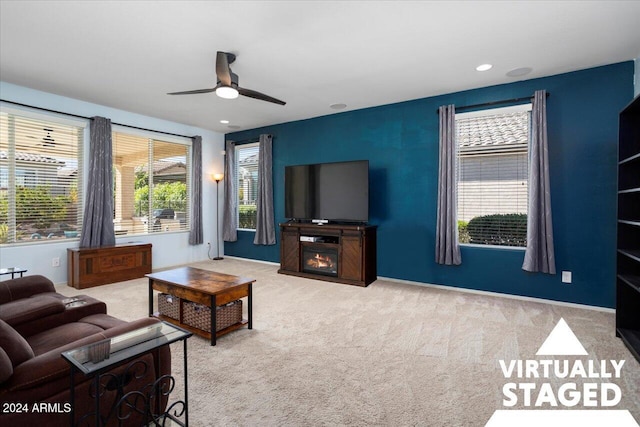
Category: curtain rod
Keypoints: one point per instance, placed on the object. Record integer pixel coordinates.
(487, 104)
(89, 118)
(246, 141)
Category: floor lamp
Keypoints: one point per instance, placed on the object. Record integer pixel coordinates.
(217, 178)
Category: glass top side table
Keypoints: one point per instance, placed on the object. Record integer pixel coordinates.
(13, 271)
(96, 359)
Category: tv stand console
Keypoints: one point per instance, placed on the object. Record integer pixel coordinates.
(332, 252)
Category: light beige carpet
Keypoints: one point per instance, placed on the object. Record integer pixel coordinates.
(324, 354)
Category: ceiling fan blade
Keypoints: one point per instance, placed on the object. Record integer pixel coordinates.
(222, 68)
(261, 96)
(193, 92)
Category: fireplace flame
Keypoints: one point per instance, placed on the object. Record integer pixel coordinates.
(321, 261)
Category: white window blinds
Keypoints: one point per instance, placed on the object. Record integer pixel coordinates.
(40, 178)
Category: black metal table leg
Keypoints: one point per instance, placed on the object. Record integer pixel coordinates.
(213, 320)
(150, 297)
(250, 306)
(186, 397)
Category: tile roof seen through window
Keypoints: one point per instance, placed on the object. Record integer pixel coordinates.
(31, 157)
(501, 132)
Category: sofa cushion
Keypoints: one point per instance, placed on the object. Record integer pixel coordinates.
(27, 309)
(24, 287)
(14, 345)
(6, 369)
(61, 335)
(103, 321)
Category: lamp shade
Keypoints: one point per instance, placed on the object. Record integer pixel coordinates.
(217, 176)
(227, 92)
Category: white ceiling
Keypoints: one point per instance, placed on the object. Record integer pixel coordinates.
(311, 54)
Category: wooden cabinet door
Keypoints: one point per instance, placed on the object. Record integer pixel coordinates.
(290, 252)
(351, 264)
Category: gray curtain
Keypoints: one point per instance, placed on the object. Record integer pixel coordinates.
(447, 247)
(230, 212)
(97, 224)
(539, 256)
(265, 223)
(195, 234)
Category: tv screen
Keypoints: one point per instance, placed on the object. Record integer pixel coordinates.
(328, 191)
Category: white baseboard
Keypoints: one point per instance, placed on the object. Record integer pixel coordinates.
(501, 295)
(259, 261)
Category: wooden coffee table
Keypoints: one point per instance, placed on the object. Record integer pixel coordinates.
(203, 287)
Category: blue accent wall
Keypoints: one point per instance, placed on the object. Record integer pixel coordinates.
(401, 143)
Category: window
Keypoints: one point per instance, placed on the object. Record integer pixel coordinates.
(247, 184)
(493, 176)
(40, 177)
(151, 183)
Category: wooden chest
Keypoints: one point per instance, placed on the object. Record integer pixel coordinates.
(88, 267)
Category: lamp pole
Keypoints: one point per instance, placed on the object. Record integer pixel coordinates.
(218, 177)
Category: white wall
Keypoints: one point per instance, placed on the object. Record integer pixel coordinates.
(169, 249)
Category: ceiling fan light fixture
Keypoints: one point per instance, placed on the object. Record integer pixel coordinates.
(227, 92)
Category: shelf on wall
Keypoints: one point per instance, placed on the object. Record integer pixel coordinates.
(634, 254)
(633, 281)
(630, 159)
(629, 190)
(629, 222)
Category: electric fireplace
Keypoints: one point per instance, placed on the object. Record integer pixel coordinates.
(320, 260)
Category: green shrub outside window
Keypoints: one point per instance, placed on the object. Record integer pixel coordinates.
(497, 229)
(247, 217)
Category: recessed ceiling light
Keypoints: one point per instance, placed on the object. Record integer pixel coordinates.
(338, 106)
(224, 122)
(518, 72)
(484, 67)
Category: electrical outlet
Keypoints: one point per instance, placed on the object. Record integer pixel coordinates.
(566, 277)
(55, 262)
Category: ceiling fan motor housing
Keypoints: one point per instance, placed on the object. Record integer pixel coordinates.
(234, 80)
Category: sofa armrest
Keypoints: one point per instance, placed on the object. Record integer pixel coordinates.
(24, 287)
(28, 309)
(50, 366)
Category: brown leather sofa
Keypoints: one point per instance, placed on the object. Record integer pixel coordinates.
(37, 324)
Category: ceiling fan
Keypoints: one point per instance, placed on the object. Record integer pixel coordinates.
(227, 85)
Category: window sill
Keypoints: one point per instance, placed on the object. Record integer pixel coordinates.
(153, 233)
(43, 241)
(509, 248)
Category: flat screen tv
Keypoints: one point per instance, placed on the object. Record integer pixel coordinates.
(327, 191)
